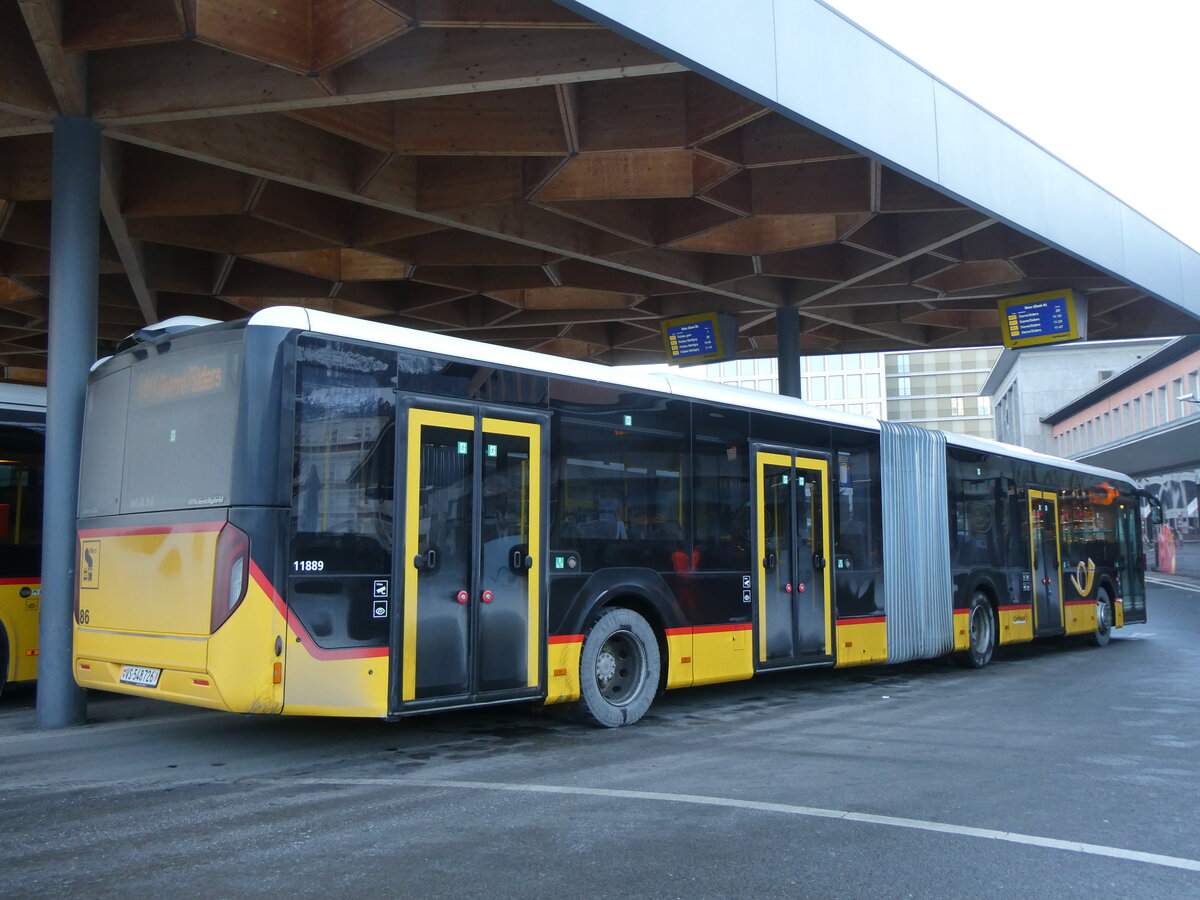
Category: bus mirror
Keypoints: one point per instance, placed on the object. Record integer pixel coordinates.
(1156, 515)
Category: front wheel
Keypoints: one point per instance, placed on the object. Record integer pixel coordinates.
(981, 625)
(1104, 618)
(618, 669)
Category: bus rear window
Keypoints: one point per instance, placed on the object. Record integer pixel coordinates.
(160, 434)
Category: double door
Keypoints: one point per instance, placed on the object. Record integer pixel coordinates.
(1045, 561)
(472, 556)
(795, 622)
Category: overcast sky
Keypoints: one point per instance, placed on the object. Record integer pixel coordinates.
(1111, 87)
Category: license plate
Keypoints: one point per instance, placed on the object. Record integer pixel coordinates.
(143, 676)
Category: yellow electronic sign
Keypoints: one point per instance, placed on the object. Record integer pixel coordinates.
(705, 337)
(1050, 317)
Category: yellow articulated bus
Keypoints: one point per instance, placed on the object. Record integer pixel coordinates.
(308, 514)
(22, 449)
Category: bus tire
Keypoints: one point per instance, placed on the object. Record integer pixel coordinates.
(618, 669)
(981, 632)
(1104, 617)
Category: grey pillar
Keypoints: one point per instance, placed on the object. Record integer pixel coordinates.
(74, 296)
(787, 330)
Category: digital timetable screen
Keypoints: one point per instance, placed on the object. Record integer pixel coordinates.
(1047, 318)
(707, 337)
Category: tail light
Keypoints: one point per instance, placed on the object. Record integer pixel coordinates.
(231, 573)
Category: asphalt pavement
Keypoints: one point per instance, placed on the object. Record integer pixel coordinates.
(1061, 770)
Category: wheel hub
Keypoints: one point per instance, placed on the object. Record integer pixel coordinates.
(606, 666)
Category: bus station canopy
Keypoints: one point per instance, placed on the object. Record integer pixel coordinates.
(550, 176)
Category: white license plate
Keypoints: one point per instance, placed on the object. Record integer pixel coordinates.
(142, 676)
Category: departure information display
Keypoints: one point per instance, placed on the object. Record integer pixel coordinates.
(707, 337)
(1051, 317)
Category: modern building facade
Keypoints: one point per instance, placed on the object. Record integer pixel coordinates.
(941, 389)
(1145, 421)
(1028, 384)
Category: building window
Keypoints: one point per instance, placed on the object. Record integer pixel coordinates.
(956, 406)
(905, 387)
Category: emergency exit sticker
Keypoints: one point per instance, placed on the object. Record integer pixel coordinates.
(462, 448)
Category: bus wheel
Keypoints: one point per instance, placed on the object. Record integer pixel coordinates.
(618, 669)
(981, 628)
(1104, 618)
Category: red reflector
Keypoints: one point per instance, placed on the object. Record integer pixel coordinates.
(277, 676)
(200, 681)
(84, 666)
(560, 672)
(685, 659)
(31, 653)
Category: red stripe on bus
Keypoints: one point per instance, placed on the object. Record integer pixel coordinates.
(865, 620)
(711, 629)
(962, 612)
(564, 639)
(32, 580)
(182, 528)
(1014, 608)
(306, 640)
(1078, 602)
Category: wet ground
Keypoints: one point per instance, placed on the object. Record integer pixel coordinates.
(1060, 770)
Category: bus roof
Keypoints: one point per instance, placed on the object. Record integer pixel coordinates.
(295, 317)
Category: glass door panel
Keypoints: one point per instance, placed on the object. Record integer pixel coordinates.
(1044, 560)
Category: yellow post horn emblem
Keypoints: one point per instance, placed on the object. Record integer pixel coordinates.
(1087, 573)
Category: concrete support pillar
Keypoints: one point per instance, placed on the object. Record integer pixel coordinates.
(74, 296)
(787, 330)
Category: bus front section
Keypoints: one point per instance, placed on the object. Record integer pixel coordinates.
(179, 518)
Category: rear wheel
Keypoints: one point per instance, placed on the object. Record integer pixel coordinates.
(618, 669)
(1104, 617)
(981, 630)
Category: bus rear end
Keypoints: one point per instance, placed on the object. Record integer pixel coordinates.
(170, 602)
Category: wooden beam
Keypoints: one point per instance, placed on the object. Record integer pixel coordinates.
(713, 110)
(161, 184)
(65, 71)
(454, 182)
(365, 123)
(318, 215)
(129, 250)
(494, 14)
(159, 83)
(839, 186)
(565, 298)
(633, 113)
(119, 23)
(25, 89)
(773, 140)
(626, 175)
(18, 125)
(279, 32)
(975, 274)
(765, 234)
(343, 30)
(527, 122)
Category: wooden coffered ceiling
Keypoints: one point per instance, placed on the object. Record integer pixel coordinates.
(499, 169)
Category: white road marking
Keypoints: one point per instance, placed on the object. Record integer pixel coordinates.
(1012, 837)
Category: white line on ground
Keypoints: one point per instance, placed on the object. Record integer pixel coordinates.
(1157, 859)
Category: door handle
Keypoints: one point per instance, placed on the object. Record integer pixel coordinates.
(769, 561)
(818, 561)
(426, 560)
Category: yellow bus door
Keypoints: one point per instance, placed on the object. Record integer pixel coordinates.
(793, 612)
(472, 624)
(1045, 561)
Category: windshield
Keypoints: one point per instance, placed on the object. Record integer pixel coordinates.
(159, 433)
